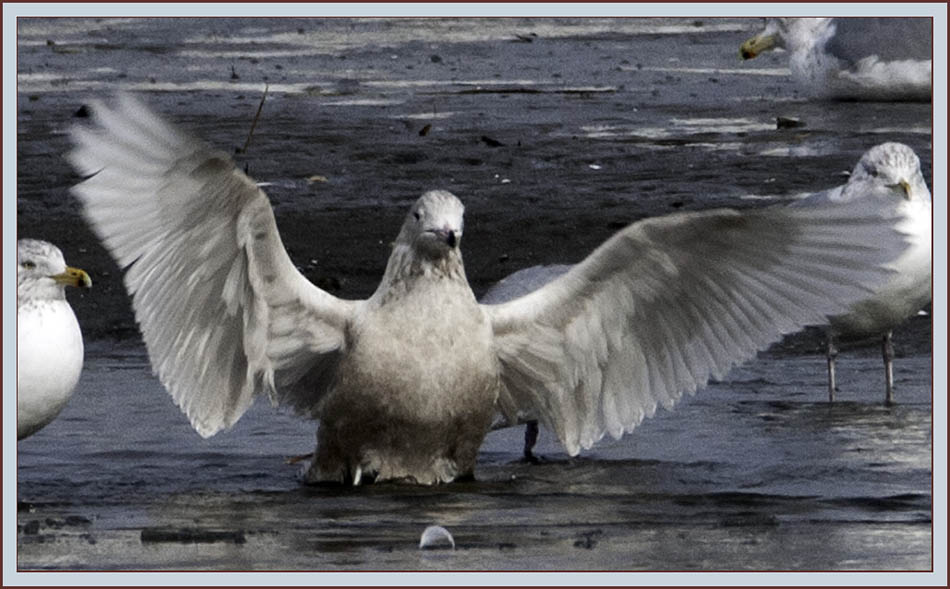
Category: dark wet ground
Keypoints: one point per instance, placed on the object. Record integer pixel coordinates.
(553, 144)
(757, 472)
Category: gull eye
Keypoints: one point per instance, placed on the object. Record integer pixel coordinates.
(417, 215)
(28, 265)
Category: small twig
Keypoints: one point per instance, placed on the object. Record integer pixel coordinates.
(257, 116)
(300, 458)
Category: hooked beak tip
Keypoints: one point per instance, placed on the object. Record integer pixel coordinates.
(449, 237)
(74, 277)
(745, 50)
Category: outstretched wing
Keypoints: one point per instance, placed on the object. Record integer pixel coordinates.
(669, 302)
(223, 311)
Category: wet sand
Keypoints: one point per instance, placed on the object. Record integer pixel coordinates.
(554, 142)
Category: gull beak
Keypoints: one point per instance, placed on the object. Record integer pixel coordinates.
(905, 186)
(449, 236)
(73, 277)
(756, 45)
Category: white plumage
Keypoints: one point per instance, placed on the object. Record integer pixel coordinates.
(887, 171)
(853, 58)
(405, 384)
(49, 342)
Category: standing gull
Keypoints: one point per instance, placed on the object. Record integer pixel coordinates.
(853, 58)
(888, 170)
(405, 384)
(48, 340)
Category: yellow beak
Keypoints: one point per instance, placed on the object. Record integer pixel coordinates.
(906, 186)
(73, 277)
(756, 45)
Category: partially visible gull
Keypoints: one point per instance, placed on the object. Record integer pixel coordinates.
(873, 59)
(406, 383)
(48, 340)
(520, 283)
(886, 171)
(513, 286)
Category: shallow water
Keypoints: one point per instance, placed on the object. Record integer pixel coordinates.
(600, 123)
(755, 472)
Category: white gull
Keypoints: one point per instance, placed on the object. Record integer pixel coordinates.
(49, 342)
(886, 171)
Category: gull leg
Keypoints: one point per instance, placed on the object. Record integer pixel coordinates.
(887, 349)
(530, 439)
(832, 354)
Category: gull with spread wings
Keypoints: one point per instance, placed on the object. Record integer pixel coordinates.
(405, 384)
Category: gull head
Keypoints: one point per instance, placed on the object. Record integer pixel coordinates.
(767, 40)
(791, 34)
(890, 169)
(42, 273)
(433, 227)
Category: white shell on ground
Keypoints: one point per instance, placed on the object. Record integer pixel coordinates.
(436, 537)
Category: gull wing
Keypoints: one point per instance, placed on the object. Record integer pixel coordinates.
(224, 313)
(670, 302)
